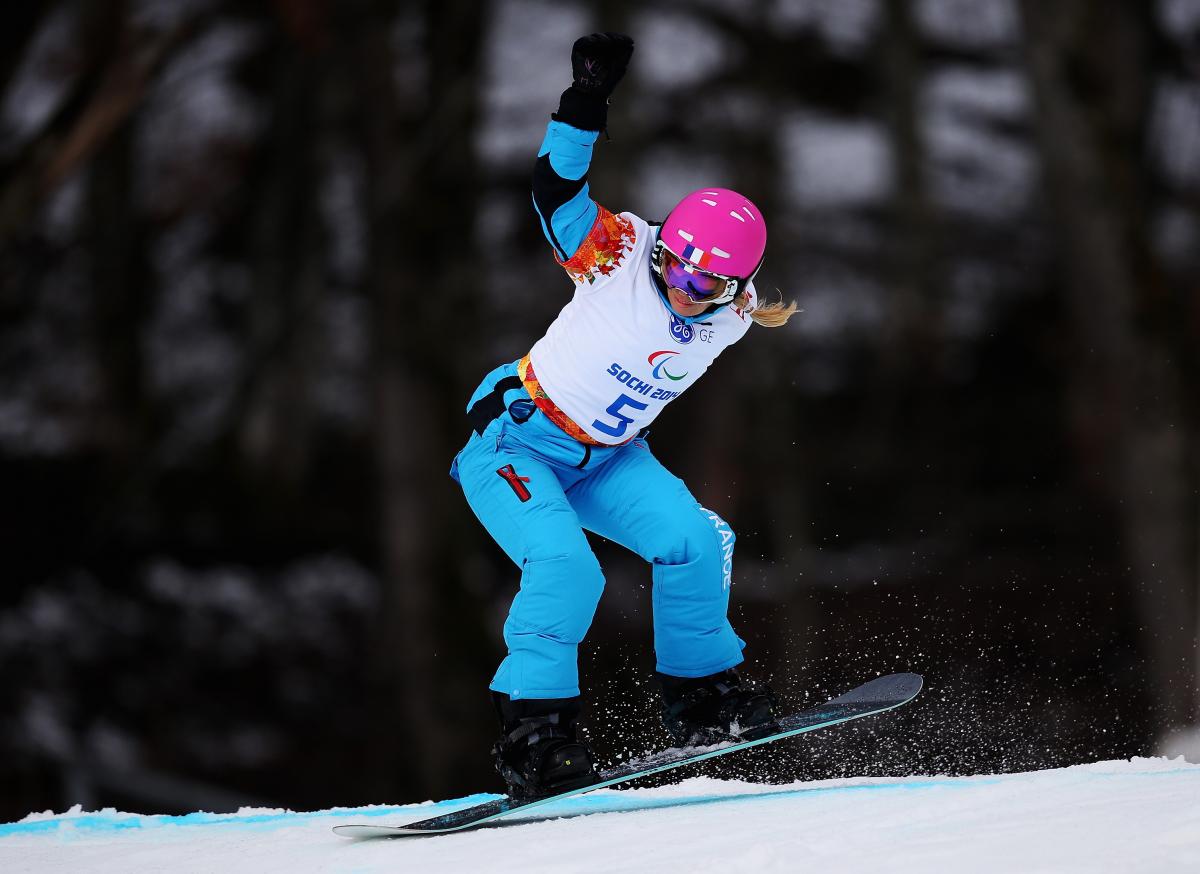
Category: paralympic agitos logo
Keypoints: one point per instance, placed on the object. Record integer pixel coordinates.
(658, 360)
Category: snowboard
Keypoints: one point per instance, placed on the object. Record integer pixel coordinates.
(875, 696)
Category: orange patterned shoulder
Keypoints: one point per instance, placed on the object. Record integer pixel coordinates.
(602, 251)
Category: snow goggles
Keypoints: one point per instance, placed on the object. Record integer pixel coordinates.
(699, 285)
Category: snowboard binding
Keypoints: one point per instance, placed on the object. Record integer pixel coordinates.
(540, 751)
(701, 711)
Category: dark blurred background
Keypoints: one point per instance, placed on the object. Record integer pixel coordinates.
(254, 257)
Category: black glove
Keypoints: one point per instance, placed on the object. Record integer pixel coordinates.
(598, 62)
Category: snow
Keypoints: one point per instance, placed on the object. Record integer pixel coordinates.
(41, 80)
(1181, 18)
(1141, 815)
(973, 167)
(1174, 137)
(528, 64)
(978, 24)
(686, 52)
(833, 163)
(846, 26)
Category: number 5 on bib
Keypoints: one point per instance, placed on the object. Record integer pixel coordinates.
(614, 410)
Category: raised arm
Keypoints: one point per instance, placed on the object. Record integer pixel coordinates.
(560, 189)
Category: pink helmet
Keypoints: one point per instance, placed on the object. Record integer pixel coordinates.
(719, 231)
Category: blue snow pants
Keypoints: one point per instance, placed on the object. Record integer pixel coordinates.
(535, 489)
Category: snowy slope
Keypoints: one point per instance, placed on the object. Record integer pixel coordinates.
(1142, 815)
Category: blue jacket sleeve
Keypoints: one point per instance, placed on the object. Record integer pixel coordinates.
(560, 189)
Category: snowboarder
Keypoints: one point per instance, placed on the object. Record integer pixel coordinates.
(558, 447)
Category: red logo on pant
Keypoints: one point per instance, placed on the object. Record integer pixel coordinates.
(517, 482)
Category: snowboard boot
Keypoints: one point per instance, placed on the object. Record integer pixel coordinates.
(540, 751)
(701, 711)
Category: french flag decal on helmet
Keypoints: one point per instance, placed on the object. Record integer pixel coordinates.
(697, 256)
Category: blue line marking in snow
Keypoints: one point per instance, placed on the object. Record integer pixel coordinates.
(610, 801)
(99, 822)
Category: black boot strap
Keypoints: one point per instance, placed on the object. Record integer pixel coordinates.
(531, 729)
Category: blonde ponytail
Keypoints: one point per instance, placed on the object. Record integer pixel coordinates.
(770, 315)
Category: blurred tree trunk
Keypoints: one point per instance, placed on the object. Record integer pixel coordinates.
(276, 418)
(424, 191)
(1091, 82)
(118, 285)
(908, 332)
